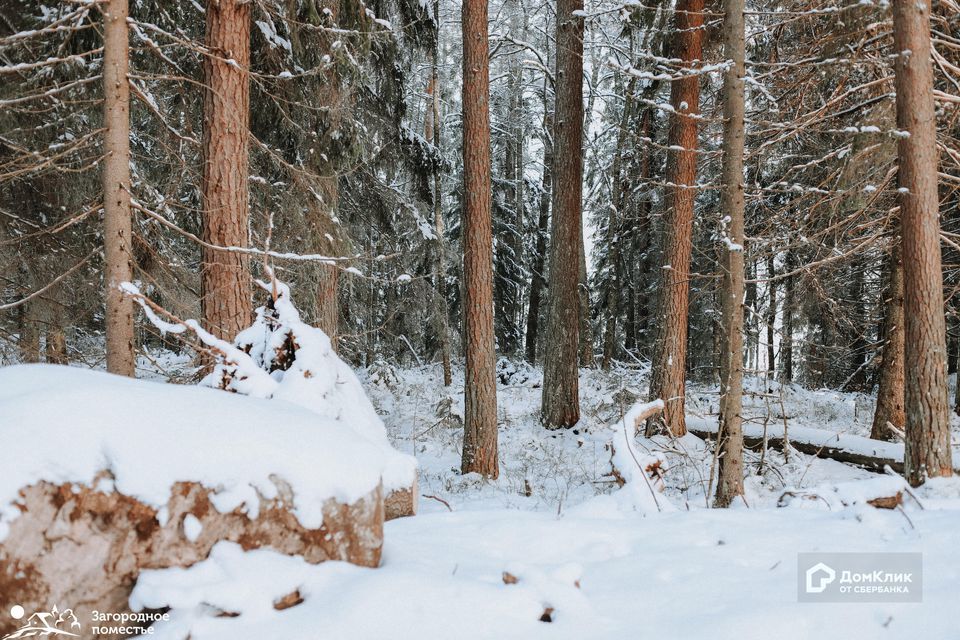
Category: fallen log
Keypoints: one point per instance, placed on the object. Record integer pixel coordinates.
(873, 455)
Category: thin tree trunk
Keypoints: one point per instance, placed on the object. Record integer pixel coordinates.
(225, 283)
(28, 340)
(730, 433)
(771, 315)
(561, 396)
(440, 267)
(586, 328)
(540, 258)
(670, 357)
(890, 390)
(480, 416)
(614, 233)
(786, 339)
(926, 404)
(117, 234)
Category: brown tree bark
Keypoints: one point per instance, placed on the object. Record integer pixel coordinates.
(732, 204)
(890, 391)
(925, 358)
(225, 284)
(670, 356)
(480, 389)
(561, 396)
(117, 234)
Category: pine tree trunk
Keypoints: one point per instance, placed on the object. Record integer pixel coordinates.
(480, 415)
(225, 284)
(926, 404)
(440, 267)
(891, 388)
(586, 328)
(560, 406)
(786, 339)
(641, 323)
(539, 282)
(614, 233)
(117, 233)
(28, 340)
(730, 433)
(324, 212)
(670, 357)
(771, 315)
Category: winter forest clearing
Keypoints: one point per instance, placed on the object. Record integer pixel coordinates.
(492, 318)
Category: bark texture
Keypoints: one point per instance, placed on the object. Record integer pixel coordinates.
(925, 351)
(560, 406)
(117, 234)
(670, 356)
(539, 281)
(891, 387)
(732, 206)
(225, 289)
(75, 545)
(480, 401)
(432, 133)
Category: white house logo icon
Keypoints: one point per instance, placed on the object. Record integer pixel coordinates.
(48, 624)
(818, 577)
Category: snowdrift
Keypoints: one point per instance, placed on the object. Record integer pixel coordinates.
(104, 476)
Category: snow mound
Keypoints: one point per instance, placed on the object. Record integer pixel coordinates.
(287, 359)
(63, 424)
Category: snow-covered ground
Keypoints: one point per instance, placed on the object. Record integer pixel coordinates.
(553, 550)
(587, 561)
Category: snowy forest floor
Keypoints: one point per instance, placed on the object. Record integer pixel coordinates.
(593, 567)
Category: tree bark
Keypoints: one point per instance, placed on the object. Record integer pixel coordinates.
(225, 284)
(614, 235)
(786, 339)
(890, 392)
(440, 267)
(732, 204)
(117, 225)
(771, 315)
(670, 357)
(925, 357)
(480, 415)
(538, 282)
(560, 406)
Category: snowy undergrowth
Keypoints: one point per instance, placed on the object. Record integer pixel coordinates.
(553, 470)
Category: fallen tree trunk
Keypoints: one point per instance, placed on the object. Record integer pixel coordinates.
(873, 455)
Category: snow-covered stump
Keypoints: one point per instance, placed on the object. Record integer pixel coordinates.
(105, 477)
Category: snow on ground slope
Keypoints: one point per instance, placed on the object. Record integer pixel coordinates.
(601, 569)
